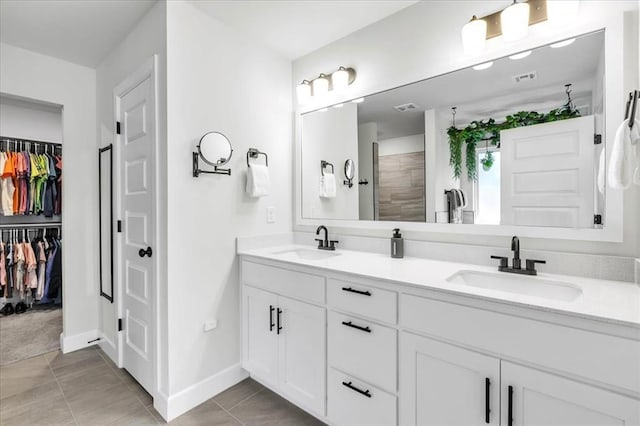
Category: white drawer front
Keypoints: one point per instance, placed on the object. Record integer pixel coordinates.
(297, 285)
(370, 355)
(363, 300)
(596, 356)
(347, 406)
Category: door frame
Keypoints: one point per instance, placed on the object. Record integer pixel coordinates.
(148, 70)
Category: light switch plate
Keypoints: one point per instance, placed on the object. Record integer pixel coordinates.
(271, 214)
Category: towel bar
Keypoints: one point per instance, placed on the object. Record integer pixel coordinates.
(324, 164)
(254, 153)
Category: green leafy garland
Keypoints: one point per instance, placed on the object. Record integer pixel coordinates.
(489, 130)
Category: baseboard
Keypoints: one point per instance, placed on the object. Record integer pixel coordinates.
(173, 406)
(78, 341)
(109, 348)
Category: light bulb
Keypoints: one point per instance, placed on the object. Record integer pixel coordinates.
(303, 92)
(320, 85)
(520, 55)
(484, 66)
(563, 43)
(474, 36)
(515, 22)
(562, 12)
(340, 79)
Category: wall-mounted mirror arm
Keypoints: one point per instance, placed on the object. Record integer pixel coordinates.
(214, 149)
(216, 170)
(349, 171)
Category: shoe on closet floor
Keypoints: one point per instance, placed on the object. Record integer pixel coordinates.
(21, 307)
(7, 309)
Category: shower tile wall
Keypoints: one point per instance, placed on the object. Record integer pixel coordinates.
(401, 187)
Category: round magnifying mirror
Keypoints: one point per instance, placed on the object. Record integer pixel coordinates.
(215, 149)
(349, 169)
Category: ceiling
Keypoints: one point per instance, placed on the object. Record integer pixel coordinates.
(491, 92)
(83, 32)
(298, 27)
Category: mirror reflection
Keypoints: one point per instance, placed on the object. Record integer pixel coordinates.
(507, 143)
(215, 149)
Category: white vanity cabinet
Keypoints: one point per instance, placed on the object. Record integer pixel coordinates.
(284, 339)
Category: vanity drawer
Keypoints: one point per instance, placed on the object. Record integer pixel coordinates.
(369, 352)
(363, 300)
(347, 406)
(297, 285)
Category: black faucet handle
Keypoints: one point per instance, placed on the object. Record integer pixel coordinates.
(504, 261)
(531, 264)
(320, 242)
(332, 243)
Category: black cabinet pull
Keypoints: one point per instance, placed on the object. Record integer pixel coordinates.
(353, 290)
(278, 320)
(510, 410)
(487, 394)
(360, 391)
(271, 324)
(350, 324)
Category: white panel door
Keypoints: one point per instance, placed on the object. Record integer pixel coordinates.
(442, 384)
(260, 348)
(302, 353)
(547, 176)
(136, 198)
(543, 399)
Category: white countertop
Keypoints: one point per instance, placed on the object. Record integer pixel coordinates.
(610, 301)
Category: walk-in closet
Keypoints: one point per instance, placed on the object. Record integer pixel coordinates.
(31, 165)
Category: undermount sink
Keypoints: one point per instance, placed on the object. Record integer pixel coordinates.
(519, 284)
(308, 254)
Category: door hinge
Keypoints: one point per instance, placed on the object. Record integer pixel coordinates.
(119, 324)
(597, 219)
(117, 127)
(597, 139)
(119, 226)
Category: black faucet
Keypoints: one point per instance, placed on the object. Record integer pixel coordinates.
(516, 268)
(325, 244)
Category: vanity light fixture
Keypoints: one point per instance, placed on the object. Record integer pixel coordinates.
(320, 85)
(484, 66)
(358, 101)
(303, 91)
(514, 21)
(520, 55)
(563, 43)
(340, 79)
(474, 36)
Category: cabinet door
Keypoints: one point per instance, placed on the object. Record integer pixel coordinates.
(539, 398)
(441, 384)
(301, 353)
(260, 341)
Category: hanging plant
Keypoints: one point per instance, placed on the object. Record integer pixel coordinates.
(455, 150)
(487, 161)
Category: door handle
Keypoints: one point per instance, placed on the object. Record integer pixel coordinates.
(510, 409)
(143, 252)
(278, 320)
(487, 394)
(271, 324)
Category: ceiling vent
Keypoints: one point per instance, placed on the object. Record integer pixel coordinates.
(406, 107)
(529, 76)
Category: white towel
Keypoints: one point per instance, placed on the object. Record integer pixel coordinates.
(258, 182)
(328, 185)
(624, 162)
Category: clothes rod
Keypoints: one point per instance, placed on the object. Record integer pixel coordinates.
(31, 225)
(21, 140)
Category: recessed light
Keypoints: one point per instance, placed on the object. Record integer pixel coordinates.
(563, 43)
(520, 55)
(358, 101)
(323, 109)
(484, 66)
(338, 105)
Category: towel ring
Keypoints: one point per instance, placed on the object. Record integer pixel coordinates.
(254, 153)
(324, 164)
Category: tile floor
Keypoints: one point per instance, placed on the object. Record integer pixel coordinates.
(86, 388)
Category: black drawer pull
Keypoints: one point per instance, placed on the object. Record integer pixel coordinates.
(353, 290)
(271, 324)
(487, 405)
(510, 410)
(360, 391)
(352, 325)
(278, 312)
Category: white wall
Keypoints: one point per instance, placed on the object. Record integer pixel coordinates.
(146, 39)
(331, 136)
(367, 135)
(38, 77)
(30, 120)
(432, 29)
(401, 145)
(217, 80)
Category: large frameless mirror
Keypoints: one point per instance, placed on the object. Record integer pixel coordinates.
(511, 142)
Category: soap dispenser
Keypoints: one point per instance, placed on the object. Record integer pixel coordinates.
(397, 244)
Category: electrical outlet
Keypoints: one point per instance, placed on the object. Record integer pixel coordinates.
(271, 214)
